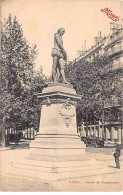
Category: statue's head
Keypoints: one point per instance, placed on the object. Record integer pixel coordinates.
(61, 31)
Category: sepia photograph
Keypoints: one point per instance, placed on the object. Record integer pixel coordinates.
(61, 95)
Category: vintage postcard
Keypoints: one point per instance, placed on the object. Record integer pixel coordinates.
(61, 95)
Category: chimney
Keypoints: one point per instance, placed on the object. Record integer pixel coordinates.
(100, 34)
(112, 28)
(118, 26)
(84, 45)
(95, 40)
(98, 39)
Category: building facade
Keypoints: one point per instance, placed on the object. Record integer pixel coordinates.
(112, 45)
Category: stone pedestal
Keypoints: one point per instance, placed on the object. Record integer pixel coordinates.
(58, 112)
(57, 139)
(57, 153)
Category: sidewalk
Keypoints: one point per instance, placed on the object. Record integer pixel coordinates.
(96, 173)
(9, 183)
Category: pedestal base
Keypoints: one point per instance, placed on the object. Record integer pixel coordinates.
(57, 147)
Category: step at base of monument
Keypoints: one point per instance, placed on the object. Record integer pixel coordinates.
(51, 154)
(55, 171)
(58, 141)
(57, 136)
(57, 147)
(45, 138)
(57, 158)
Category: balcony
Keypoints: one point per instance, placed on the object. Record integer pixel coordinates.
(115, 50)
(116, 35)
(114, 38)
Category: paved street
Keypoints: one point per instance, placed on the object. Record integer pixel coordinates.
(94, 174)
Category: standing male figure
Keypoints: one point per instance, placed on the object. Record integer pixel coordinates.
(59, 56)
(117, 155)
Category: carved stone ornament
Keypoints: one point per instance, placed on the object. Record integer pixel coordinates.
(67, 102)
(67, 113)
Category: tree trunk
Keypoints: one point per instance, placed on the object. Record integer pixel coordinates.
(3, 142)
(103, 118)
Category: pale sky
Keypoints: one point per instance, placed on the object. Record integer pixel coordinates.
(40, 19)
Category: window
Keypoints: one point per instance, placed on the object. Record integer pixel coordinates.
(119, 43)
(112, 47)
(106, 50)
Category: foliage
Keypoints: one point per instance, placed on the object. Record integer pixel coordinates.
(19, 79)
(93, 80)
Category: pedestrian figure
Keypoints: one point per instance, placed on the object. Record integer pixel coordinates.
(6, 140)
(16, 138)
(117, 155)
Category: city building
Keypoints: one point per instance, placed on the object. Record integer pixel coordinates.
(112, 45)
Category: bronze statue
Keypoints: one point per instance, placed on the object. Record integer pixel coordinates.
(59, 57)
